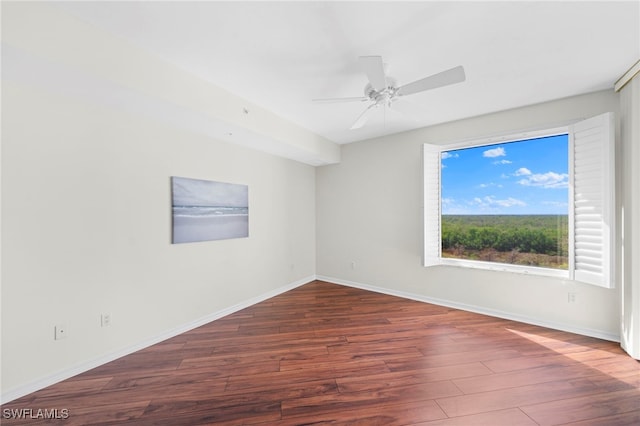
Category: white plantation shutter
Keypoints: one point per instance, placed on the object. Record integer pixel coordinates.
(592, 162)
(591, 193)
(432, 244)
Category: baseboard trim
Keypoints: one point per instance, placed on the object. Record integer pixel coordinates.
(476, 309)
(96, 362)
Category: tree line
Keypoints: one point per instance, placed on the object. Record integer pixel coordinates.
(541, 234)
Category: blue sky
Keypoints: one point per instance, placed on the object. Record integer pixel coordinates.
(529, 177)
(196, 192)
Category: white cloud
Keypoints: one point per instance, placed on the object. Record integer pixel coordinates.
(502, 162)
(491, 202)
(556, 203)
(546, 180)
(451, 206)
(446, 155)
(490, 184)
(495, 152)
(522, 171)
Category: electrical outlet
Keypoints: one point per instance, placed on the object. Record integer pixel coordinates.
(353, 264)
(571, 297)
(105, 320)
(60, 331)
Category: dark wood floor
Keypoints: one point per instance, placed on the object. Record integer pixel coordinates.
(328, 354)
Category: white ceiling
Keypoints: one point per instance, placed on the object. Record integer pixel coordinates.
(280, 55)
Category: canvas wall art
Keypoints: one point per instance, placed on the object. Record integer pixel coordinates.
(206, 210)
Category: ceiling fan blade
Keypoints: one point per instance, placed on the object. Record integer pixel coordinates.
(374, 68)
(452, 76)
(337, 100)
(362, 119)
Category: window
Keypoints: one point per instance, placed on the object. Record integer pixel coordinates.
(538, 202)
(507, 203)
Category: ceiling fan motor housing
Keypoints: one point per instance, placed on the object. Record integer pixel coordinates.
(384, 96)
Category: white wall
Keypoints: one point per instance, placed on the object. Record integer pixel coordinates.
(86, 223)
(369, 211)
(629, 162)
(87, 229)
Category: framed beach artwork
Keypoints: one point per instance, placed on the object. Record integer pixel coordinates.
(204, 210)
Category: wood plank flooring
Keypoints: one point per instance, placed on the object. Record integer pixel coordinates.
(328, 354)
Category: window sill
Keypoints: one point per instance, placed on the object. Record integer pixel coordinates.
(504, 267)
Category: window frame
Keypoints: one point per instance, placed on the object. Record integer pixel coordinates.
(602, 148)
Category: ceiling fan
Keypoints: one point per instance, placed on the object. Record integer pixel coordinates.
(382, 90)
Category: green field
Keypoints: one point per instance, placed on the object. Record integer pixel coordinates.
(534, 240)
